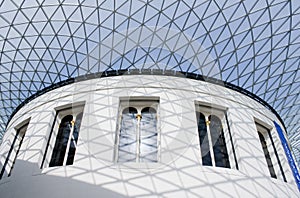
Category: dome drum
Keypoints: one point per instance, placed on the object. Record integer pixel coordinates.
(145, 135)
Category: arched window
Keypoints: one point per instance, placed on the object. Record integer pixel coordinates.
(137, 133)
(270, 151)
(14, 151)
(61, 142)
(214, 151)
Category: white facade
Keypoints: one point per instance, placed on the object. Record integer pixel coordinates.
(178, 171)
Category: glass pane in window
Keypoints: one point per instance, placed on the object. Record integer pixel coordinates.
(267, 155)
(148, 126)
(127, 137)
(204, 143)
(61, 142)
(74, 138)
(218, 141)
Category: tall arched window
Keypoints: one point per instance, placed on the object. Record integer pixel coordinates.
(137, 135)
(62, 141)
(14, 150)
(270, 151)
(214, 151)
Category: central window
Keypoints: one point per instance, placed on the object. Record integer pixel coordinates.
(137, 131)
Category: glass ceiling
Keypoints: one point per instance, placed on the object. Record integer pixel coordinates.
(252, 44)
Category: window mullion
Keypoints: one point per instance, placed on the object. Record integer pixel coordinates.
(138, 138)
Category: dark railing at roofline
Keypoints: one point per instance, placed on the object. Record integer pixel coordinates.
(147, 72)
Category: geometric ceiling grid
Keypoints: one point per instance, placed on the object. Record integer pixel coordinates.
(253, 44)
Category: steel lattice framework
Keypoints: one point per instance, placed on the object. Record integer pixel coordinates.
(253, 44)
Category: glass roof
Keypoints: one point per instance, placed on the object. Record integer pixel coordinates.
(252, 44)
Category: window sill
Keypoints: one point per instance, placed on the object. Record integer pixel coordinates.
(137, 166)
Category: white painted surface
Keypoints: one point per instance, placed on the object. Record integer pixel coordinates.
(179, 172)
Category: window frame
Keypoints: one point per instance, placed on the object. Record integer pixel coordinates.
(265, 131)
(220, 112)
(139, 103)
(61, 113)
(13, 153)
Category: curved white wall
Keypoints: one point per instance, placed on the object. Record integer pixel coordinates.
(178, 173)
